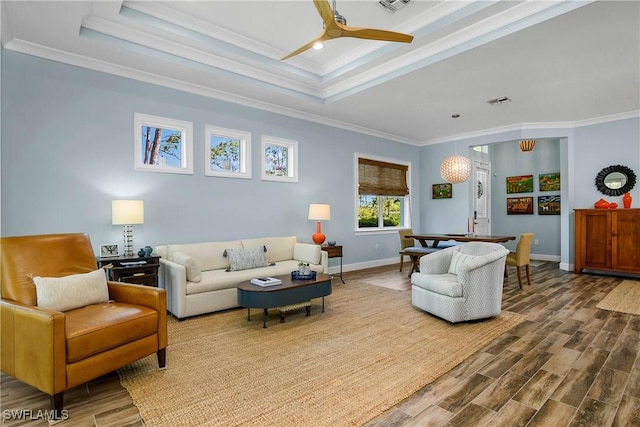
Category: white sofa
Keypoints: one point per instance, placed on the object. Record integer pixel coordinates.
(196, 279)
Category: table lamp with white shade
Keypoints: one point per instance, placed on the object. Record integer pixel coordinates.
(319, 212)
(127, 213)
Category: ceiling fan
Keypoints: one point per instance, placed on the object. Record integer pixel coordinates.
(335, 26)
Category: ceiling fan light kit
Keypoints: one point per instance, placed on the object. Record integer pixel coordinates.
(335, 26)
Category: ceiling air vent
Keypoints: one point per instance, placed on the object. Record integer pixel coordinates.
(393, 5)
(499, 100)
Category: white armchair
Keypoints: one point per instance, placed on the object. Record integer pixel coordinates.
(462, 282)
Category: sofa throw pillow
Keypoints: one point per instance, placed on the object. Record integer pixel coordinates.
(194, 273)
(74, 291)
(307, 253)
(246, 258)
(459, 260)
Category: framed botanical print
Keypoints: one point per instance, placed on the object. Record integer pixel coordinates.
(279, 159)
(227, 153)
(519, 205)
(441, 191)
(162, 144)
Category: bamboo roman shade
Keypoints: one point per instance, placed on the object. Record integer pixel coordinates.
(382, 178)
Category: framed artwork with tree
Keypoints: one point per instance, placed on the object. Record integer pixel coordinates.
(162, 144)
(279, 159)
(227, 153)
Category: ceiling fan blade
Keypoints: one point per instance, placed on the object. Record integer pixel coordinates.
(373, 34)
(324, 9)
(305, 47)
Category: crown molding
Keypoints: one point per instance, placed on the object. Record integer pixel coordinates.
(45, 52)
(535, 126)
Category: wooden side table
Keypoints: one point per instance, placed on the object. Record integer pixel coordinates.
(335, 252)
(137, 270)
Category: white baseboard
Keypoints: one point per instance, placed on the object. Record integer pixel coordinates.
(363, 265)
(566, 267)
(542, 257)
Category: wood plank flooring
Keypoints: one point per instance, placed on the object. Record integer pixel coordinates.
(568, 364)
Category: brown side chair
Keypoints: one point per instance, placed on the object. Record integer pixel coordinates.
(521, 257)
(55, 351)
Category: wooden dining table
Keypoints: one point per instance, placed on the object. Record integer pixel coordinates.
(437, 238)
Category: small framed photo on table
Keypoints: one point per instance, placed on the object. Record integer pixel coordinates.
(108, 251)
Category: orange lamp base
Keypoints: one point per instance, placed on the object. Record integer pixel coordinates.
(318, 238)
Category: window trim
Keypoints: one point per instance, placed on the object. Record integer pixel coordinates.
(407, 204)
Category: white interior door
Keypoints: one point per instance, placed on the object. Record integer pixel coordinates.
(481, 206)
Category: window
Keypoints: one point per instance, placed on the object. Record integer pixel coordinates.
(162, 144)
(279, 159)
(383, 194)
(227, 153)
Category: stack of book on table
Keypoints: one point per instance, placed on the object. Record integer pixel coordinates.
(266, 281)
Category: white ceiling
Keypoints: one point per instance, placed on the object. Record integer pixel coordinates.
(560, 62)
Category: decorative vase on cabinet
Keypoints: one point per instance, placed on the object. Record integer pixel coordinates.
(626, 200)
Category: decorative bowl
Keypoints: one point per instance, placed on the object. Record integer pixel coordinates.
(331, 243)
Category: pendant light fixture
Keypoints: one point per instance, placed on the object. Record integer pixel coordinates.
(455, 169)
(527, 144)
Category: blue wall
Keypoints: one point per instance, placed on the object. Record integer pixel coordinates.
(67, 151)
(508, 160)
(582, 151)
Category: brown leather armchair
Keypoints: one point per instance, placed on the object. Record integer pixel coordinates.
(56, 351)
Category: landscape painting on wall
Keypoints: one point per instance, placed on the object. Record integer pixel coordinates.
(549, 182)
(441, 191)
(548, 205)
(520, 184)
(519, 205)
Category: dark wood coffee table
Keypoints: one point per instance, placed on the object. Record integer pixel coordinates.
(289, 292)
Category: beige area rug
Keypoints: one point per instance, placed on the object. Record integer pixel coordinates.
(624, 298)
(369, 350)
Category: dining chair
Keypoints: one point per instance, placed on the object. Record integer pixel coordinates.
(521, 257)
(409, 248)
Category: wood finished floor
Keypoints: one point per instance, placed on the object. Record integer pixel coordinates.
(568, 364)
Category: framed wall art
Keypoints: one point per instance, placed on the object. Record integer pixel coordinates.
(519, 205)
(279, 159)
(441, 191)
(227, 153)
(548, 205)
(549, 182)
(162, 144)
(520, 184)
